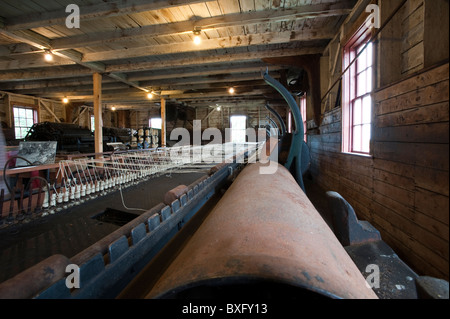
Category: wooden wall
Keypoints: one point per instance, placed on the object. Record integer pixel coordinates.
(411, 154)
(47, 110)
(412, 36)
(402, 188)
(256, 116)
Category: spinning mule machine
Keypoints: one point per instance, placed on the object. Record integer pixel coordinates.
(243, 226)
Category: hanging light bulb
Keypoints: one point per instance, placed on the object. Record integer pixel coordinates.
(231, 90)
(65, 100)
(113, 108)
(150, 95)
(48, 56)
(197, 38)
(218, 108)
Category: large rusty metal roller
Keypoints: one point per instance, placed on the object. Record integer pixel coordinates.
(264, 238)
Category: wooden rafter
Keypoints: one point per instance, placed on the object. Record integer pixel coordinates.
(229, 20)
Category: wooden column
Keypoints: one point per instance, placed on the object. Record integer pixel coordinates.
(98, 112)
(163, 122)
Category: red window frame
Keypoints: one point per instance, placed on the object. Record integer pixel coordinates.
(357, 99)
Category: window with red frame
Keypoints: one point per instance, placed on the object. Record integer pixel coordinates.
(357, 99)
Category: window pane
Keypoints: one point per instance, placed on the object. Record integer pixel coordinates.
(238, 126)
(366, 138)
(369, 54)
(23, 132)
(361, 83)
(357, 138)
(369, 87)
(357, 112)
(24, 118)
(362, 60)
(367, 110)
(156, 123)
(22, 122)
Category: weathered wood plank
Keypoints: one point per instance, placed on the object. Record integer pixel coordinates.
(201, 19)
(400, 195)
(413, 83)
(434, 113)
(401, 181)
(426, 222)
(426, 155)
(425, 260)
(90, 12)
(432, 180)
(413, 58)
(432, 94)
(422, 133)
(432, 204)
(210, 44)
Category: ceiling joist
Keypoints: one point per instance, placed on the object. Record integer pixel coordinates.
(141, 46)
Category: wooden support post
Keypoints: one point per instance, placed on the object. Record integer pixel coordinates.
(163, 122)
(98, 112)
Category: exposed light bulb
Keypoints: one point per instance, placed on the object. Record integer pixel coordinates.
(231, 90)
(150, 95)
(218, 108)
(65, 100)
(113, 108)
(48, 56)
(197, 40)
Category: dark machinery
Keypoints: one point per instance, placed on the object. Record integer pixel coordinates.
(70, 137)
(297, 158)
(73, 138)
(261, 238)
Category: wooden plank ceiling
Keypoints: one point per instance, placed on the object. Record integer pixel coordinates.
(141, 46)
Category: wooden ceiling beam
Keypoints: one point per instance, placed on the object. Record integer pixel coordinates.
(224, 78)
(75, 85)
(325, 33)
(265, 52)
(89, 12)
(58, 84)
(222, 69)
(37, 60)
(33, 61)
(70, 90)
(40, 74)
(130, 96)
(228, 20)
(41, 42)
